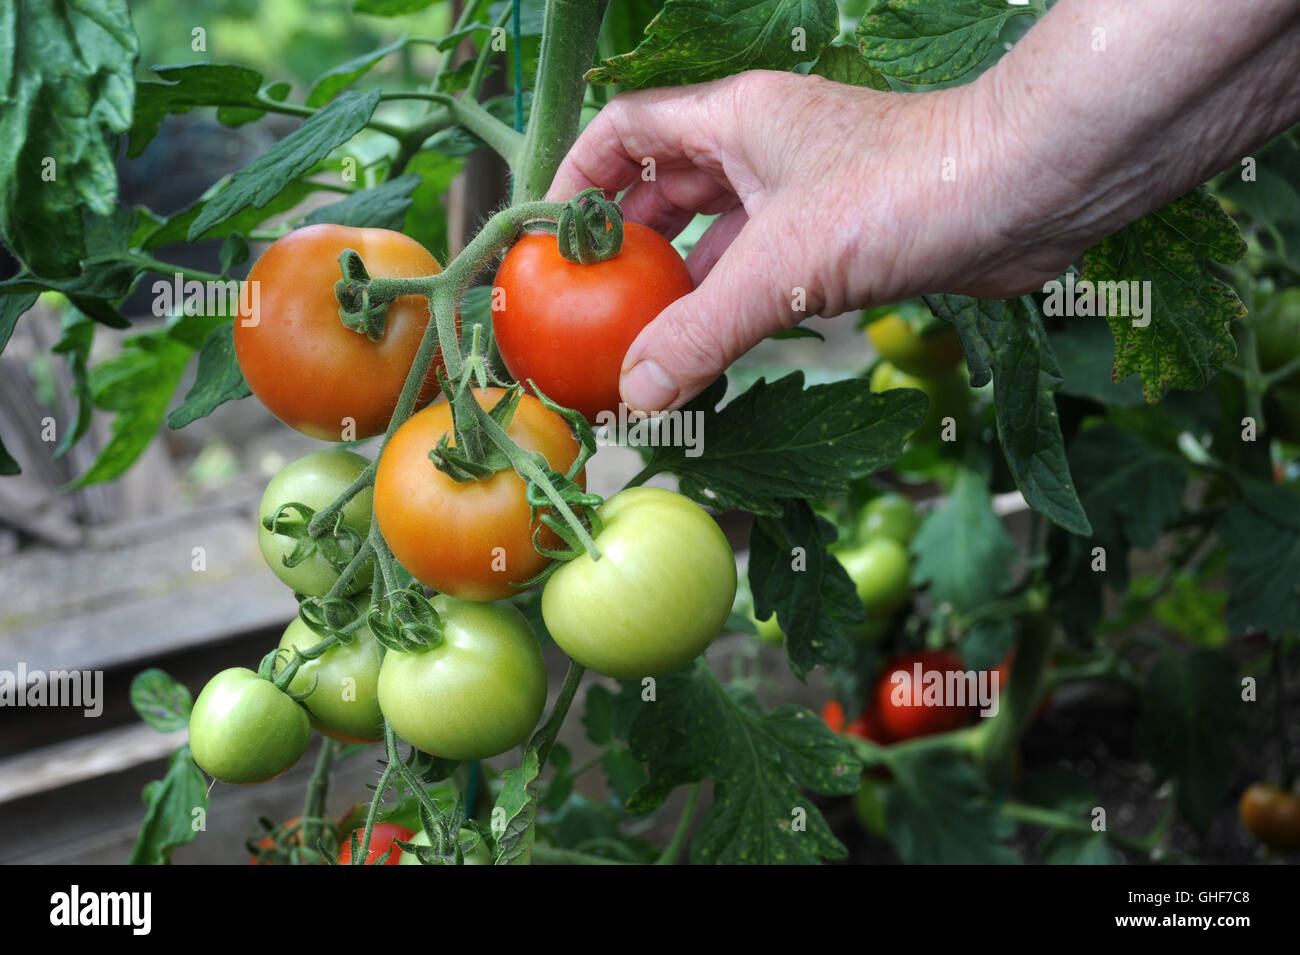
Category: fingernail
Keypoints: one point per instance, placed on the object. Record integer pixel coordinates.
(647, 387)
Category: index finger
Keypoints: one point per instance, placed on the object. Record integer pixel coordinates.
(676, 127)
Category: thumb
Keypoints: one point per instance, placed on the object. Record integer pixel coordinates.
(744, 298)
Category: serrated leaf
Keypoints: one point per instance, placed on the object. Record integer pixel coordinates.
(1006, 342)
(261, 180)
(690, 42)
(842, 63)
(938, 812)
(160, 701)
(217, 381)
(921, 41)
(171, 802)
(962, 551)
(781, 440)
(1132, 490)
(518, 801)
(1262, 532)
(812, 594)
(179, 89)
(1186, 340)
(379, 207)
(759, 764)
(1085, 352)
(1191, 722)
(175, 228)
(68, 95)
(334, 81)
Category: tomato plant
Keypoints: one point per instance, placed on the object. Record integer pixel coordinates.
(567, 326)
(483, 529)
(474, 850)
(245, 730)
(384, 837)
(658, 595)
(306, 565)
(475, 694)
(308, 369)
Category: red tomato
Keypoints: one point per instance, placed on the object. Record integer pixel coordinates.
(304, 365)
(474, 540)
(833, 716)
(568, 326)
(900, 714)
(381, 837)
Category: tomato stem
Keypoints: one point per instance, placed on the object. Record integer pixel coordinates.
(674, 848)
(569, 34)
(545, 737)
(314, 808)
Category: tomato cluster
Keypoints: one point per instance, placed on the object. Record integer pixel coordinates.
(474, 684)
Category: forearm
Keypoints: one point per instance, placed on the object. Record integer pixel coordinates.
(1112, 108)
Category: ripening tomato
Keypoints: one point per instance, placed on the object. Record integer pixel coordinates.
(900, 714)
(1272, 815)
(474, 540)
(657, 597)
(383, 835)
(930, 355)
(310, 370)
(568, 326)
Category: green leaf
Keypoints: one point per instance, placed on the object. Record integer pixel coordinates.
(781, 440)
(334, 81)
(68, 92)
(1005, 341)
(12, 308)
(758, 762)
(1191, 723)
(172, 802)
(160, 701)
(178, 89)
(938, 812)
(1132, 490)
(963, 552)
(927, 42)
(174, 229)
(75, 344)
(218, 379)
(380, 207)
(518, 802)
(1263, 534)
(690, 42)
(391, 8)
(922, 41)
(426, 220)
(843, 63)
(1086, 354)
(262, 180)
(791, 572)
(1069, 793)
(1187, 339)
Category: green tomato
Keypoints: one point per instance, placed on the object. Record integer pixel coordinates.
(344, 703)
(473, 849)
(314, 480)
(659, 594)
(1277, 332)
(898, 342)
(769, 631)
(949, 394)
(889, 515)
(245, 730)
(879, 570)
(869, 802)
(477, 693)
